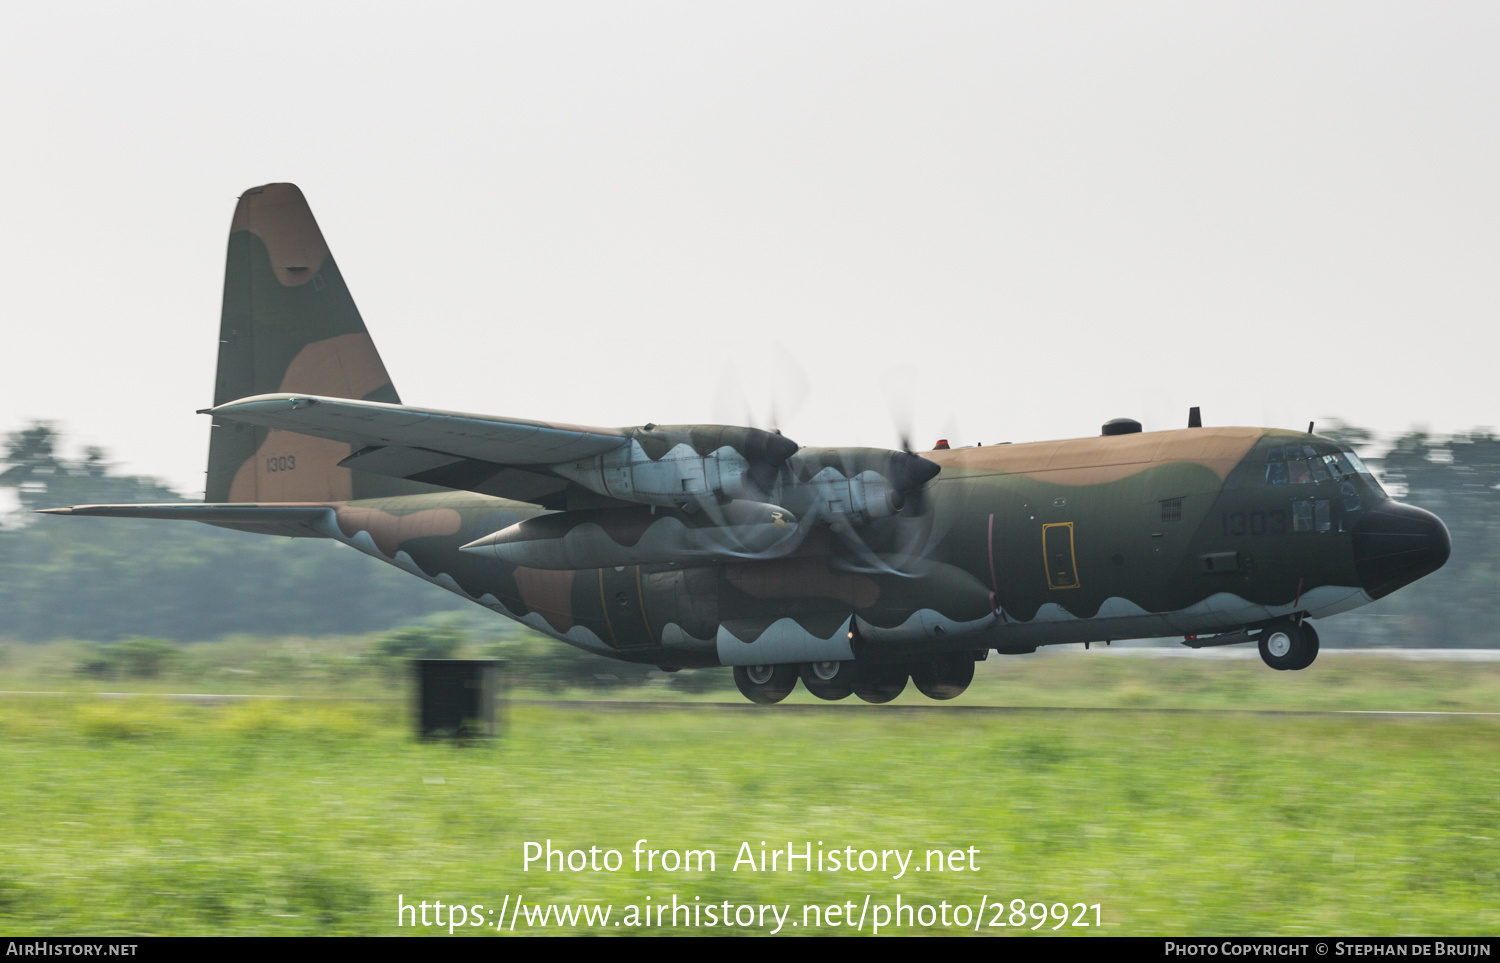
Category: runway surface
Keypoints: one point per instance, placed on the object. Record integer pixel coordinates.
(850, 705)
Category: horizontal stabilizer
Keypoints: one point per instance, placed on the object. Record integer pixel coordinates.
(298, 521)
(373, 424)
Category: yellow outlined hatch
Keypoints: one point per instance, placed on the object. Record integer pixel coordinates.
(1058, 555)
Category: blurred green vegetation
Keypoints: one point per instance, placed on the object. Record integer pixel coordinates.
(374, 665)
(135, 657)
(143, 816)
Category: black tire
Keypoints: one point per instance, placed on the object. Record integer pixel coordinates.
(943, 677)
(1284, 645)
(828, 680)
(765, 684)
(878, 684)
(1310, 646)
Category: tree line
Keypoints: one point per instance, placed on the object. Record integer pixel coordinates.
(104, 579)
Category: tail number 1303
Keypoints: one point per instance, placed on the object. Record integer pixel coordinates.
(1254, 523)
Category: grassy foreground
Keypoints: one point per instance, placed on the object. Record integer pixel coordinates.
(143, 816)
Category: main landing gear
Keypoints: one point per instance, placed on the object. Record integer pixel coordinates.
(766, 684)
(829, 680)
(943, 677)
(1289, 645)
(938, 677)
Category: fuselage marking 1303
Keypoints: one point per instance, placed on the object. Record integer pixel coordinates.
(854, 570)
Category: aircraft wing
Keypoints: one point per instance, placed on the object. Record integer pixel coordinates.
(507, 457)
(369, 424)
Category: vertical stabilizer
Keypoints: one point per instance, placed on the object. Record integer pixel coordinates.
(289, 324)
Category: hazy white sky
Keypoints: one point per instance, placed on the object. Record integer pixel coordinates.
(1025, 218)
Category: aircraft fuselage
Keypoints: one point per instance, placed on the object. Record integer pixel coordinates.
(1188, 532)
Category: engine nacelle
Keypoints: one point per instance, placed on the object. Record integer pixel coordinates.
(698, 468)
(685, 467)
(865, 496)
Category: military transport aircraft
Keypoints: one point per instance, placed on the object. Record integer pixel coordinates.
(853, 569)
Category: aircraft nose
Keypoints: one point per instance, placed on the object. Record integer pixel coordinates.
(1395, 544)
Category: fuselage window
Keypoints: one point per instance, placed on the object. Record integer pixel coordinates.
(1312, 515)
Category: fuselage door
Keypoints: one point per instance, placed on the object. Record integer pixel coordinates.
(1060, 557)
(623, 601)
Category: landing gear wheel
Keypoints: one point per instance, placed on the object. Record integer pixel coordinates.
(943, 677)
(765, 684)
(880, 683)
(1310, 640)
(1286, 645)
(828, 680)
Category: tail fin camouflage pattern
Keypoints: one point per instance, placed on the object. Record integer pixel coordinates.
(289, 325)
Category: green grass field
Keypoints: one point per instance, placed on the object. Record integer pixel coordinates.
(148, 816)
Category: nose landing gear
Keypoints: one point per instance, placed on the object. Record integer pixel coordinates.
(1288, 645)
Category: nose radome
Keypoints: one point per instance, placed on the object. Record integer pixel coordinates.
(1395, 544)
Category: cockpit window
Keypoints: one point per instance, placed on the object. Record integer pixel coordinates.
(1306, 465)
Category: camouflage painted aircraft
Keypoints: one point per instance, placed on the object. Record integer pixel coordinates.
(688, 546)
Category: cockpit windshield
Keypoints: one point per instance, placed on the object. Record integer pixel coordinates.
(1315, 464)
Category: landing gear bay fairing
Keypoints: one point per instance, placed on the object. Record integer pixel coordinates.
(849, 570)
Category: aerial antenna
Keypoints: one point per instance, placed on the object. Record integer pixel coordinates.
(1195, 419)
(1309, 427)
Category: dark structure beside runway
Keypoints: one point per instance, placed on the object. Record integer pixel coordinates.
(457, 697)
